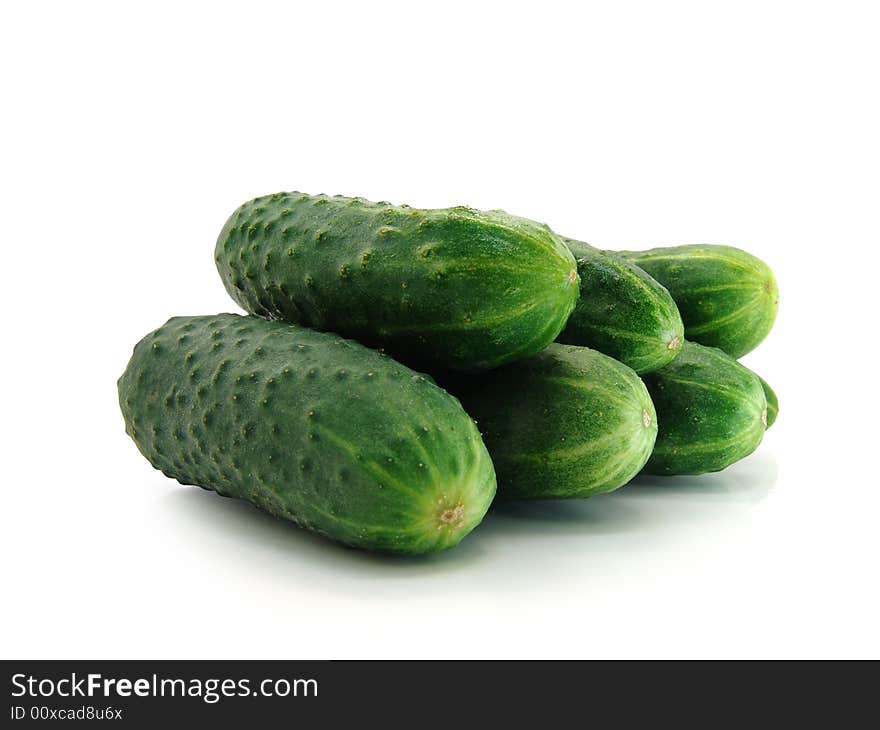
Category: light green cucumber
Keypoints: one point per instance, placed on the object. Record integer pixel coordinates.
(455, 288)
(568, 422)
(772, 402)
(727, 297)
(711, 412)
(309, 427)
(622, 312)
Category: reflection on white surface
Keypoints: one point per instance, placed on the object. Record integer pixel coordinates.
(519, 537)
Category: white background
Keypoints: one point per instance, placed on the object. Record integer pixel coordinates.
(129, 135)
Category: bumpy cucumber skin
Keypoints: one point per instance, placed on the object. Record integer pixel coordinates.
(727, 297)
(455, 287)
(711, 412)
(772, 402)
(568, 422)
(622, 312)
(310, 427)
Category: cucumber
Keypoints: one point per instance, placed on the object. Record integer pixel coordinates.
(622, 312)
(727, 297)
(568, 422)
(772, 402)
(456, 287)
(711, 412)
(309, 427)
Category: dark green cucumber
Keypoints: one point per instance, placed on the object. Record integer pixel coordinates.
(622, 312)
(456, 287)
(310, 427)
(711, 412)
(727, 297)
(772, 402)
(568, 422)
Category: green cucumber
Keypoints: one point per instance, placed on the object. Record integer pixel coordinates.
(568, 422)
(772, 402)
(310, 427)
(622, 312)
(711, 412)
(455, 287)
(727, 297)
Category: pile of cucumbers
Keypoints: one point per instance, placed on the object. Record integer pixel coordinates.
(397, 364)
